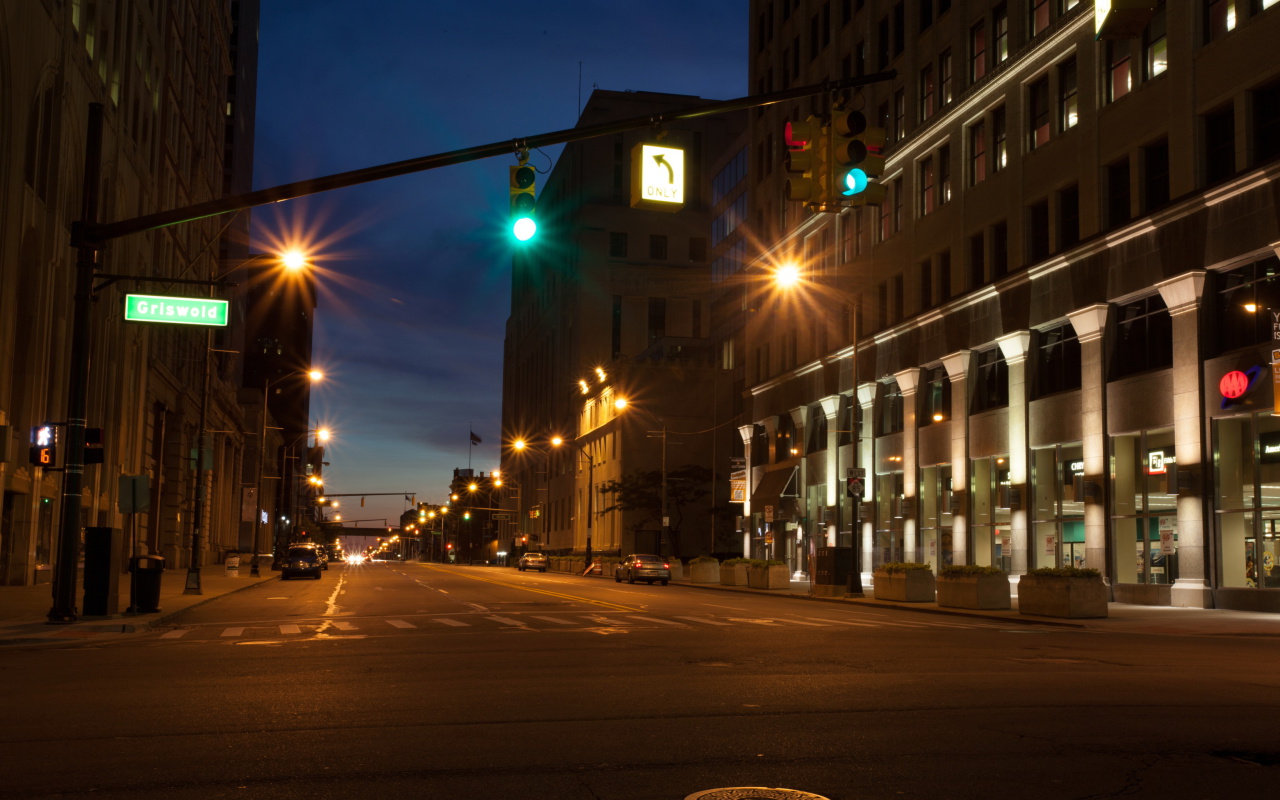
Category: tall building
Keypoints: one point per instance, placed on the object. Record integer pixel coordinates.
(177, 108)
(611, 302)
(1049, 345)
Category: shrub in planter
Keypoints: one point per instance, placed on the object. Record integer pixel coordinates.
(768, 574)
(704, 569)
(903, 581)
(733, 572)
(1069, 592)
(973, 586)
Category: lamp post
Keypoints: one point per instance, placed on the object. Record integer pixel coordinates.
(591, 486)
(314, 376)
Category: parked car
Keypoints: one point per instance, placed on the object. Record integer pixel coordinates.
(321, 552)
(301, 559)
(643, 567)
(536, 561)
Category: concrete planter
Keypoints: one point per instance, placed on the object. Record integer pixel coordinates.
(908, 586)
(704, 572)
(776, 576)
(677, 570)
(989, 592)
(733, 575)
(1059, 596)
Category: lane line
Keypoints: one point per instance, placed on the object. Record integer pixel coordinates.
(606, 604)
(557, 621)
(507, 621)
(848, 622)
(233, 632)
(800, 622)
(331, 605)
(399, 623)
(175, 634)
(608, 621)
(707, 621)
(452, 623)
(663, 621)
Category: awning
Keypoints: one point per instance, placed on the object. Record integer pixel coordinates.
(773, 488)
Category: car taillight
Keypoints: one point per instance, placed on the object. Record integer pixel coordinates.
(666, 566)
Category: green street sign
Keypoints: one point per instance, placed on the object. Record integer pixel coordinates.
(178, 310)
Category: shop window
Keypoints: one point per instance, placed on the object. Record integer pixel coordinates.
(937, 397)
(1143, 339)
(935, 520)
(989, 513)
(889, 412)
(1144, 497)
(1057, 508)
(990, 381)
(1242, 305)
(1247, 480)
(1057, 360)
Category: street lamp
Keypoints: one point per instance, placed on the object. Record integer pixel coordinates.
(314, 376)
(557, 441)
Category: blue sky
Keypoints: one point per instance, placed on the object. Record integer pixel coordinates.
(414, 272)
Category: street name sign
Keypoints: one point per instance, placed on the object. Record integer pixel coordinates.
(177, 310)
(658, 177)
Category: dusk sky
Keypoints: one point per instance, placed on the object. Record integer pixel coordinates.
(414, 272)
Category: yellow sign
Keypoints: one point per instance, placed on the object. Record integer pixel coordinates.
(657, 177)
(1275, 383)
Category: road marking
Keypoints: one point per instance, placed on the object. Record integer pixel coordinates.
(799, 622)
(662, 621)
(175, 634)
(847, 622)
(451, 622)
(604, 603)
(731, 608)
(331, 605)
(399, 623)
(608, 621)
(506, 621)
(377, 588)
(557, 621)
(754, 621)
(343, 626)
(233, 632)
(706, 621)
(290, 628)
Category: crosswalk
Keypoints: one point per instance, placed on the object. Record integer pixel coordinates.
(479, 621)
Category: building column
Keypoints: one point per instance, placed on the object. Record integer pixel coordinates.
(831, 410)
(1014, 346)
(1089, 324)
(865, 444)
(957, 366)
(908, 382)
(1182, 295)
(747, 432)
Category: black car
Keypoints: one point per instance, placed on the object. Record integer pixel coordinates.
(301, 560)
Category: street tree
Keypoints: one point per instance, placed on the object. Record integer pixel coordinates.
(641, 492)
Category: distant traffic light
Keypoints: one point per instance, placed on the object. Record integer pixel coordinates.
(523, 187)
(855, 158)
(804, 159)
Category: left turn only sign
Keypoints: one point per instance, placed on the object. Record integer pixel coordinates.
(657, 177)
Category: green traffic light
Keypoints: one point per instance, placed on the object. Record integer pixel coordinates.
(524, 229)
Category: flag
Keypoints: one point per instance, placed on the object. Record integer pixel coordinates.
(474, 439)
(406, 499)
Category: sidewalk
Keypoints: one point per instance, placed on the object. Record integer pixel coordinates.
(23, 609)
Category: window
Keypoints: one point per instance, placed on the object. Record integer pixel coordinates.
(1039, 16)
(889, 411)
(999, 250)
(846, 235)
(617, 244)
(1000, 30)
(861, 53)
(657, 318)
(1266, 123)
(1038, 100)
(1057, 360)
(944, 78)
(899, 28)
(899, 298)
(1144, 337)
(1155, 174)
(944, 174)
(1038, 231)
(977, 261)
(697, 249)
(1118, 193)
(990, 381)
(926, 285)
(617, 325)
(1219, 145)
(999, 135)
(1242, 299)
(1119, 81)
(882, 305)
(926, 92)
(926, 186)
(897, 204)
(882, 43)
(926, 14)
(658, 247)
(886, 214)
(937, 397)
(944, 276)
(977, 154)
(1155, 45)
(977, 53)
(1219, 19)
(899, 115)
(1068, 101)
(1068, 217)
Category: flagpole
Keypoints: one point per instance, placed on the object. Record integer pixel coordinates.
(471, 442)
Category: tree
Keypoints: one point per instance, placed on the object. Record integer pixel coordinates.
(642, 492)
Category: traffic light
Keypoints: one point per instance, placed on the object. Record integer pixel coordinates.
(44, 445)
(466, 515)
(855, 158)
(523, 186)
(805, 160)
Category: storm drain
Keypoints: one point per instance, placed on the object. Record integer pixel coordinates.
(753, 793)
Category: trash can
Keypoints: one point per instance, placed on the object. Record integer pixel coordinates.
(146, 572)
(233, 565)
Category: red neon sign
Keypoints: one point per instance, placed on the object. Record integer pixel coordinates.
(1233, 384)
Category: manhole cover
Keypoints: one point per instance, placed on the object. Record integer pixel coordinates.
(753, 793)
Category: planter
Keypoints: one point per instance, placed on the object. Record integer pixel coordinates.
(704, 572)
(733, 574)
(677, 570)
(1060, 596)
(775, 576)
(908, 586)
(990, 592)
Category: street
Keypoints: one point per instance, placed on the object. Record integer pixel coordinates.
(475, 682)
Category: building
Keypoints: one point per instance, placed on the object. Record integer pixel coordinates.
(609, 302)
(1049, 344)
(176, 83)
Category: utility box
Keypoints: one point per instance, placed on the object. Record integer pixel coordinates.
(102, 554)
(833, 566)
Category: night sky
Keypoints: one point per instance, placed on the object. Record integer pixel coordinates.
(414, 272)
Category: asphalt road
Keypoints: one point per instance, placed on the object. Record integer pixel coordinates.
(414, 680)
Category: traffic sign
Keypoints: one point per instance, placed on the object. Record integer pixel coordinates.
(177, 310)
(658, 174)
